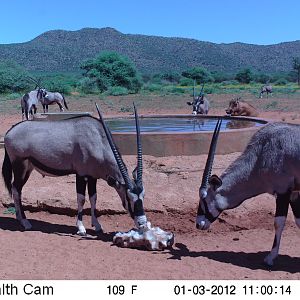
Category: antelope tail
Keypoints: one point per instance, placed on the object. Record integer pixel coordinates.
(7, 172)
(65, 103)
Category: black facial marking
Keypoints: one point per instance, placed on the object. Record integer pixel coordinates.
(80, 185)
(139, 208)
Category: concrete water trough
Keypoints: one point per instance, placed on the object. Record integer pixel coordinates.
(167, 135)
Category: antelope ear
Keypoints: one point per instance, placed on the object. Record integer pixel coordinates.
(134, 174)
(111, 181)
(215, 182)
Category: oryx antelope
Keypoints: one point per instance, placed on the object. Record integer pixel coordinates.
(266, 89)
(81, 145)
(200, 103)
(269, 164)
(52, 98)
(240, 108)
(29, 102)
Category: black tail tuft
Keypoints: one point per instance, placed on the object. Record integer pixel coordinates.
(7, 172)
(65, 103)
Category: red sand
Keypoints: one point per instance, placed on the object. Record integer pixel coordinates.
(233, 248)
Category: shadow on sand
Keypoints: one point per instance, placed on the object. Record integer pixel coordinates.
(253, 261)
(12, 224)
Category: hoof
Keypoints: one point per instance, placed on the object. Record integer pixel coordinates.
(269, 262)
(26, 224)
(81, 233)
(98, 228)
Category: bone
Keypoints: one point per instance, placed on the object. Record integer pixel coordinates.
(151, 238)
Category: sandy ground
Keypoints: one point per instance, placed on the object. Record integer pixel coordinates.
(233, 248)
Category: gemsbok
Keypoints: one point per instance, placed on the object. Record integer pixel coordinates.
(200, 103)
(29, 102)
(53, 98)
(268, 89)
(269, 164)
(81, 145)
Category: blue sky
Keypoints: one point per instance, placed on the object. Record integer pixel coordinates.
(221, 21)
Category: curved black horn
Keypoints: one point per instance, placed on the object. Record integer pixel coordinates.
(211, 154)
(201, 92)
(139, 149)
(115, 151)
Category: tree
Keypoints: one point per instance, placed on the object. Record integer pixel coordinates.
(112, 69)
(13, 78)
(244, 76)
(296, 67)
(201, 75)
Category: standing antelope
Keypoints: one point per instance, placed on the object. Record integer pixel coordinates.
(266, 89)
(52, 98)
(81, 145)
(30, 100)
(269, 164)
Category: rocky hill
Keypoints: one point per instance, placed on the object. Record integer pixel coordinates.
(63, 51)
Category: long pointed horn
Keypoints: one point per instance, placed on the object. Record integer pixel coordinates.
(201, 92)
(139, 149)
(194, 92)
(210, 157)
(115, 151)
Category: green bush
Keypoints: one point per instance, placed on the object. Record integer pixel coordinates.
(88, 86)
(112, 69)
(13, 78)
(152, 87)
(117, 91)
(186, 82)
(244, 76)
(199, 74)
(281, 81)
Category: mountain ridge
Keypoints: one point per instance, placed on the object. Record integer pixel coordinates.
(63, 51)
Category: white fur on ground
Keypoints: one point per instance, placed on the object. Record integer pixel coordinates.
(152, 238)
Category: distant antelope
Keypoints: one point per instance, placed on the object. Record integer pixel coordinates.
(81, 145)
(200, 103)
(53, 98)
(29, 102)
(269, 164)
(266, 89)
(240, 108)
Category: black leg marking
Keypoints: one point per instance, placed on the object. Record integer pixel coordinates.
(295, 205)
(282, 204)
(92, 183)
(80, 185)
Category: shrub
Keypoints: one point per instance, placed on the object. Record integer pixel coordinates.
(186, 82)
(111, 69)
(244, 76)
(88, 86)
(117, 91)
(281, 81)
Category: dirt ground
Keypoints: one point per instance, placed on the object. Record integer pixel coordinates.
(233, 248)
